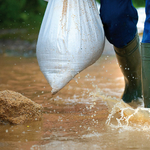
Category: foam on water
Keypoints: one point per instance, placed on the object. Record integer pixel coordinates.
(90, 135)
(74, 99)
(125, 116)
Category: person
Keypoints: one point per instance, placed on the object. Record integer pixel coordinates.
(119, 18)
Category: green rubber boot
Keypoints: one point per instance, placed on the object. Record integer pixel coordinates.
(129, 60)
(145, 52)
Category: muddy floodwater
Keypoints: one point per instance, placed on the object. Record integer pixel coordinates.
(72, 119)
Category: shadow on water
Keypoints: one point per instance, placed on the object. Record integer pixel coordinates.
(74, 118)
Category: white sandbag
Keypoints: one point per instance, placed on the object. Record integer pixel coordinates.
(71, 38)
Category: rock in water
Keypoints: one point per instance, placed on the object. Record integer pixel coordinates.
(18, 109)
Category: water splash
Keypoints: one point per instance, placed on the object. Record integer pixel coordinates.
(131, 116)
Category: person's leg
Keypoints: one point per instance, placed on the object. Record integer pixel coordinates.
(129, 60)
(119, 18)
(145, 51)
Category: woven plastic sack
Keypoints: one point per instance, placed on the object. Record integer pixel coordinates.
(71, 38)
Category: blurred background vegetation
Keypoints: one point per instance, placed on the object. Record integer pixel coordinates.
(21, 12)
(23, 15)
(27, 14)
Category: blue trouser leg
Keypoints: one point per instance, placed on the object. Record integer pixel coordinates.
(146, 33)
(119, 18)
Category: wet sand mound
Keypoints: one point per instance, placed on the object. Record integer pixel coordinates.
(18, 109)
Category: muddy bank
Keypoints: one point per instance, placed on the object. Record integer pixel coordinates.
(18, 42)
(17, 48)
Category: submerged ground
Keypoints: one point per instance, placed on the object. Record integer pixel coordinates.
(73, 118)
